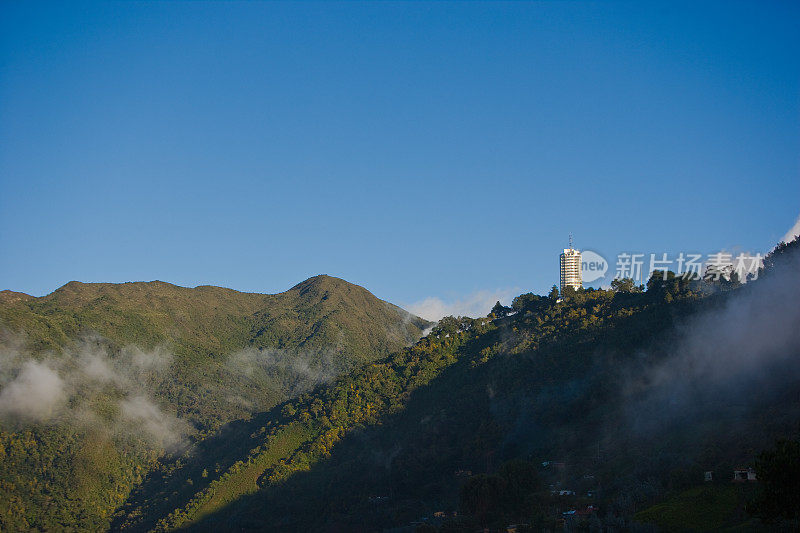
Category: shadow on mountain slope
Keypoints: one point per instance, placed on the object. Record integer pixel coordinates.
(174, 484)
(639, 405)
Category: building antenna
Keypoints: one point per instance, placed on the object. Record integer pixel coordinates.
(570, 241)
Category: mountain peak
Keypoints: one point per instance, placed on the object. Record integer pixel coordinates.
(324, 282)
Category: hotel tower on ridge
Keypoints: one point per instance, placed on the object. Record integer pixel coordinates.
(570, 262)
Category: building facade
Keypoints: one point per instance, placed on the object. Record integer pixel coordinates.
(570, 262)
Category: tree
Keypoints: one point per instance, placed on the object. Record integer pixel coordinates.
(659, 279)
(499, 310)
(732, 283)
(782, 254)
(568, 292)
(526, 302)
(624, 285)
(553, 293)
(778, 473)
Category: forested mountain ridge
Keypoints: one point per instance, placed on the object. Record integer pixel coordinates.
(631, 394)
(211, 320)
(402, 428)
(309, 333)
(599, 401)
(99, 378)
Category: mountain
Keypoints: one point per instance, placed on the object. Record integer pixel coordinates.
(322, 311)
(99, 379)
(603, 400)
(323, 322)
(596, 409)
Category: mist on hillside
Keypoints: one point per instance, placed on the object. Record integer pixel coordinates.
(120, 392)
(85, 385)
(743, 351)
(295, 371)
(700, 385)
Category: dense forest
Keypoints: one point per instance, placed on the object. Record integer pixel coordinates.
(621, 409)
(102, 384)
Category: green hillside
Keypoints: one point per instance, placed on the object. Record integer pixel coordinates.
(324, 320)
(321, 312)
(711, 507)
(621, 398)
(458, 401)
(585, 410)
(145, 366)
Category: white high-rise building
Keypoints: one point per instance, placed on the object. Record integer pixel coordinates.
(570, 262)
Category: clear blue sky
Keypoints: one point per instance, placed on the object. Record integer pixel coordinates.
(416, 149)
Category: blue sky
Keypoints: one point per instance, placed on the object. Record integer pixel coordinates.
(436, 151)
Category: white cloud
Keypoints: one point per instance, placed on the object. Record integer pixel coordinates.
(477, 304)
(295, 370)
(792, 233)
(64, 385)
(164, 428)
(36, 393)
